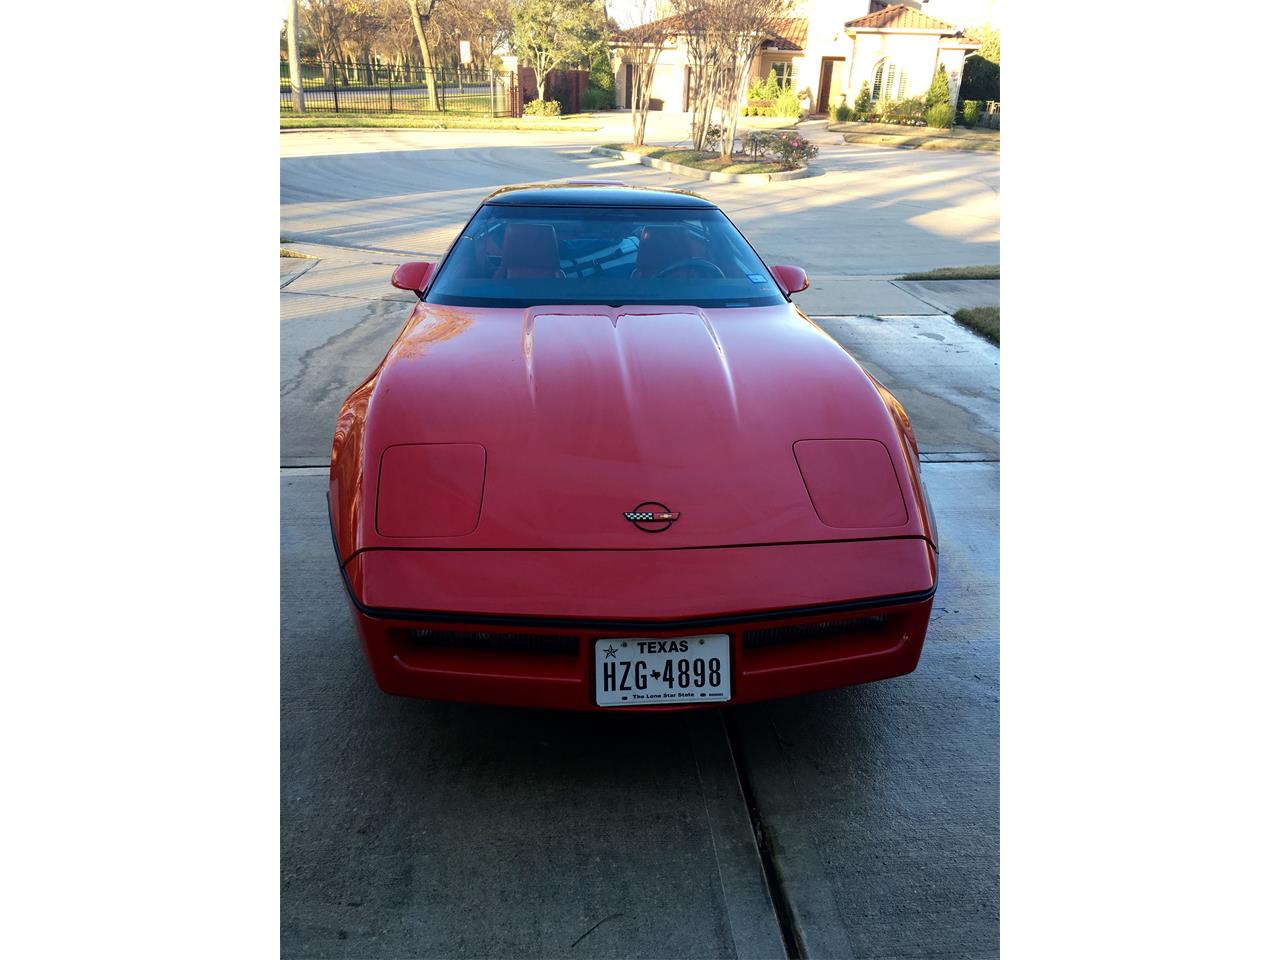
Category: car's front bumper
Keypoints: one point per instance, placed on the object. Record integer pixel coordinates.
(533, 647)
(552, 666)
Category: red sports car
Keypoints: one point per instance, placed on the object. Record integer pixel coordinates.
(607, 463)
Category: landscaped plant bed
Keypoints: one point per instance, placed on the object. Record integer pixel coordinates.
(708, 165)
(924, 138)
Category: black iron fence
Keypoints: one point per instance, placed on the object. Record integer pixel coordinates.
(335, 87)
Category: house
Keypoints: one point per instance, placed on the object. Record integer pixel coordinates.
(825, 53)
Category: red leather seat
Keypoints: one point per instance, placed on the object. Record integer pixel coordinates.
(529, 250)
(661, 245)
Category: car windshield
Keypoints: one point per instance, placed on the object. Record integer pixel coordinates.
(521, 256)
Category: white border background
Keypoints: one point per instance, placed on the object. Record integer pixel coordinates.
(141, 498)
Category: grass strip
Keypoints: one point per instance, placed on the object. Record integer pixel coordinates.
(957, 273)
(429, 121)
(984, 321)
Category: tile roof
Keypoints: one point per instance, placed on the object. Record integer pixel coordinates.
(790, 34)
(674, 25)
(899, 17)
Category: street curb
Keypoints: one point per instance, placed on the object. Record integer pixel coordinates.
(907, 142)
(713, 175)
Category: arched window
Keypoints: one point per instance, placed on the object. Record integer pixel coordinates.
(890, 82)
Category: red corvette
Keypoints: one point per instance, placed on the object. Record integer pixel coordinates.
(608, 464)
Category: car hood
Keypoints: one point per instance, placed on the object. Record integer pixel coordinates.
(586, 413)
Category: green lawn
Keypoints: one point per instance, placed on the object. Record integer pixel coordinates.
(701, 161)
(957, 273)
(433, 121)
(984, 321)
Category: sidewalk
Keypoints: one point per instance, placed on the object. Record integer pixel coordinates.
(842, 296)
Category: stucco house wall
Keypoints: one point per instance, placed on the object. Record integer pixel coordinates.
(915, 54)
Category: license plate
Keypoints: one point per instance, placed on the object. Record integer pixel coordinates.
(639, 670)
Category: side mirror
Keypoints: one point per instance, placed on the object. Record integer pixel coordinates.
(790, 279)
(413, 276)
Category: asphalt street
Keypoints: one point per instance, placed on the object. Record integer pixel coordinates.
(855, 823)
(871, 211)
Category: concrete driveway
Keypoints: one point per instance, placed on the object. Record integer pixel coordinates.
(855, 823)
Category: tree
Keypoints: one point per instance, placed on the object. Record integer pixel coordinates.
(416, 16)
(990, 49)
(641, 46)
(550, 33)
(328, 22)
(939, 90)
(295, 63)
(486, 23)
(723, 38)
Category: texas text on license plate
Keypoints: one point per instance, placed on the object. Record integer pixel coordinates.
(639, 670)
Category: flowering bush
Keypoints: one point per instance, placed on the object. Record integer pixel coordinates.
(794, 149)
(788, 148)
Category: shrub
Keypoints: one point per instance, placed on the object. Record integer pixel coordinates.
(910, 111)
(940, 115)
(844, 113)
(764, 88)
(971, 110)
(601, 77)
(757, 142)
(980, 80)
(792, 149)
(786, 104)
(862, 103)
(939, 90)
(542, 108)
(595, 99)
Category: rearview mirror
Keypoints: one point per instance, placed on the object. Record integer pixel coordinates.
(790, 279)
(413, 276)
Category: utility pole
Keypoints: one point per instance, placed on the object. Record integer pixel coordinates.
(295, 65)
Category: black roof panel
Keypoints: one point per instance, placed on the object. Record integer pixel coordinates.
(586, 193)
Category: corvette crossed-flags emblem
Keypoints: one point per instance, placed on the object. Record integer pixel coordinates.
(649, 516)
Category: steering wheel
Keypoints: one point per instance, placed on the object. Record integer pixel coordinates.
(704, 268)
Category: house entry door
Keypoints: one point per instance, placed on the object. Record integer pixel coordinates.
(829, 85)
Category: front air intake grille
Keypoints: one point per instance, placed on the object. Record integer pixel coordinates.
(826, 629)
(497, 642)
